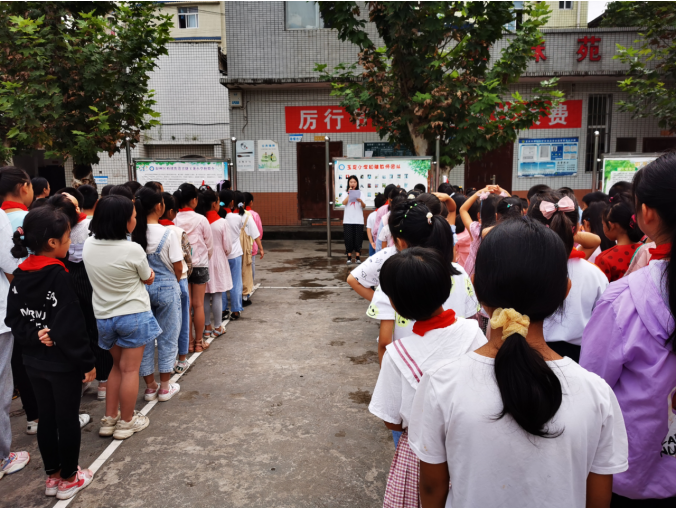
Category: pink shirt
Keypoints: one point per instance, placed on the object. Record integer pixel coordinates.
(199, 234)
(464, 242)
(259, 225)
(220, 279)
(380, 213)
(475, 230)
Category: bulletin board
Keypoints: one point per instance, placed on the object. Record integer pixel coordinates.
(172, 173)
(376, 173)
(622, 168)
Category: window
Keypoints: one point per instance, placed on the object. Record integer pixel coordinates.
(625, 145)
(187, 17)
(657, 145)
(515, 24)
(598, 119)
(303, 16)
(565, 5)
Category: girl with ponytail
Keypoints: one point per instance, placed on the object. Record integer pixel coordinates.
(619, 225)
(541, 430)
(563, 330)
(165, 257)
(631, 343)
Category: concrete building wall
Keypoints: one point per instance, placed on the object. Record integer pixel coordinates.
(210, 17)
(567, 18)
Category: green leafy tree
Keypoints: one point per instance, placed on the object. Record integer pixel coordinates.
(74, 75)
(439, 72)
(652, 62)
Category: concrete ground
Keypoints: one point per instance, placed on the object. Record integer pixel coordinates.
(274, 414)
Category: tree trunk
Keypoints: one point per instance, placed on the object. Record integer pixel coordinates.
(420, 144)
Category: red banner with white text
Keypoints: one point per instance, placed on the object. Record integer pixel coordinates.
(322, 119)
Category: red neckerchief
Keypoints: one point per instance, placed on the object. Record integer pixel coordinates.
(34, 263)
(446, 318)
(81, 217)
(248, 208)
(660, 252)
(212, 216)
(8, 205)
(577, 254)
(186, 209)
(227, 211)
(166, 222)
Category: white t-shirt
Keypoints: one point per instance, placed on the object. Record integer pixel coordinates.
(393, 396)
(178, 233)
(353, 214)
(592, 258)
(116, 269)
(385, 235)
(235, 225)
(78, 235)
(588, 283)
(8, 264)
(371, 221)
(368, 273)
(171, 250)
(461, 300)
(496, 463)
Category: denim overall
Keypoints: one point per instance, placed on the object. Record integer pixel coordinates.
(165, 302)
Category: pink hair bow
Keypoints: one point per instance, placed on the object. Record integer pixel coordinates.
(484, 195)
(548, 209)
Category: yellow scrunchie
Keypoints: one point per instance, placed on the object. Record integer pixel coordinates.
(510, 321)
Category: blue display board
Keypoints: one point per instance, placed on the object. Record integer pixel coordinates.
(548, 157)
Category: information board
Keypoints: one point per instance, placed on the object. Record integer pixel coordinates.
(548, 157)
(384, 149)
(622, 168)
(376, 173)
(171, 174)
(246, 156)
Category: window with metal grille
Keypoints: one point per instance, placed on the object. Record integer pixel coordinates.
(303, 16)
(598, 119)
(566, 5)
(187, 17)
(625, 145)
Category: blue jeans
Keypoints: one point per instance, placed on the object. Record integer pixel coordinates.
(165, 302)
(372, 251)
(396, 435)
(235, 294)
(128, 331)
(184, 334)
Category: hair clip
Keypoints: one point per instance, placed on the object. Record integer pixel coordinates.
(222, 204)
(20, 230)
(632, 222)
(509, 205)
(429, 218)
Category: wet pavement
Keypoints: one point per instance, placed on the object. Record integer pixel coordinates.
(274, 414)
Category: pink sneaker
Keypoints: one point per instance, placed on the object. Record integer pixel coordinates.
(165, 395)
(151, 394)
(15, 462)
(69, 489)
(52, 486)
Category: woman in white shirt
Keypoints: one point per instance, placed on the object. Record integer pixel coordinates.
(165, 257)
(353, 221)
(513, 423)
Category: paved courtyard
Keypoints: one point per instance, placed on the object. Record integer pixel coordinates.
(274, 414)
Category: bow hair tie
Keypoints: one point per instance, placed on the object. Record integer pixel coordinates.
(548, 209)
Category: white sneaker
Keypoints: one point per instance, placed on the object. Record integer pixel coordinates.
(31, 428)
(101, 392)
(108, 425)
(84, 420)
(16, 461)
(52, 486)
(69, 489)
(174, 388)
(151, 394)
(124, 430)
(349, 261)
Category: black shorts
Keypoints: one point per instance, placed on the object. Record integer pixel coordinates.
(199, 275)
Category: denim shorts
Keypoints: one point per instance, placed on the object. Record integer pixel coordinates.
(128, 331)
(199, 275)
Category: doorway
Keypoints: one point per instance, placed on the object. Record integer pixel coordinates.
(312, 178)
(494, 168)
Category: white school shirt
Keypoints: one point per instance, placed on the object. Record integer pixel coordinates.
(461, 300)
(368, 273)
(371, 221)
(235, 225)
(8, 264)
(78, 235)
(397, 383)
(495, 462)
(592, 258)
(178, 233)
(353, 213)
(171, 250)
(588, 283)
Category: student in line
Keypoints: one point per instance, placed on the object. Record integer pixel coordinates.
(592, 222)
(167, 220)
(379, 201)
(41, 188)
(248, 237)
(10, 462)
(563, 330)
(90, 197)
(630, 342)
(220, 279)
(248, 206)
(44, 314)
(16, 192)
(438, 335)
(199, 234)
(165, 258)
(118, 269)
(513, 423)
(353, 221)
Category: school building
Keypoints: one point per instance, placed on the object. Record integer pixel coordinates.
(278, 100)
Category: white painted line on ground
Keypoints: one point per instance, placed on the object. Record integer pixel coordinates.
(115, 444)
(305, 287)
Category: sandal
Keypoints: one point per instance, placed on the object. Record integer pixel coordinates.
(201, 346)
(219, 331)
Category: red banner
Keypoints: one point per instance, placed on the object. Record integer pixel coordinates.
(322, 119)
(567, 115)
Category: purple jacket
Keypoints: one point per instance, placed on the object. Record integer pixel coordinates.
(625, 344)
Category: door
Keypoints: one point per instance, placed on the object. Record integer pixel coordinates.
(311, 167)
(496, 163)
